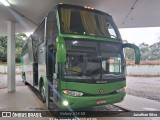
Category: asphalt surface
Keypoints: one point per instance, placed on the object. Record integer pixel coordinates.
(146, 87)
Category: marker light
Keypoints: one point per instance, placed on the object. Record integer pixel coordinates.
(65, 103)
(88, 7)
(4, 2)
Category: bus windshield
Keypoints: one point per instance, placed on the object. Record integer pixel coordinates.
(90, 63)
(87, 22)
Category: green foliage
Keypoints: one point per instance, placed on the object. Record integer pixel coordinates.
(151, 52)
(148, 52)
(144, 50)
(3, 48)
(20, 40)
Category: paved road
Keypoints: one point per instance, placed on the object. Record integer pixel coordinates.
(147, 87)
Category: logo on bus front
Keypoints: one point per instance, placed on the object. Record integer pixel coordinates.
(101, 91)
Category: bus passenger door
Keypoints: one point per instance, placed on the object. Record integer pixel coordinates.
(51, 79)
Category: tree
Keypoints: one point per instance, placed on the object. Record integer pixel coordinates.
(145, 51)
(154, 51)
(150, 52)
(20, 40)
(3, 48)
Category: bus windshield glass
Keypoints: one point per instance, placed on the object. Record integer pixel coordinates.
(87, 22)
(93, 62)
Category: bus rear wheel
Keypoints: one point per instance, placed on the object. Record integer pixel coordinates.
(42, 91)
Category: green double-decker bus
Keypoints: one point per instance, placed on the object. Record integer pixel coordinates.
(75, 58)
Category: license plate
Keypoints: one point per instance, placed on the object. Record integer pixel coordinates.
(101, 101)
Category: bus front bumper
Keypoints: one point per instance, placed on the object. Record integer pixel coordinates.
(90, 101)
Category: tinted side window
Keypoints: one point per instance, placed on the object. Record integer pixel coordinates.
(51, 28)
(39, 34)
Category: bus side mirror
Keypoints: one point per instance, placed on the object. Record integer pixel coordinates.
(61, 50)
(136, 50)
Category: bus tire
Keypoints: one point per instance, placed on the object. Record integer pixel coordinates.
(42, 92)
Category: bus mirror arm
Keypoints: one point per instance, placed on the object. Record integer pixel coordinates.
(61, 50)
(136, 50)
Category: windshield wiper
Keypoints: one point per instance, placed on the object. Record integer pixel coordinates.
(84, 74)
(113, 36)
(118, 74)
(113, 75)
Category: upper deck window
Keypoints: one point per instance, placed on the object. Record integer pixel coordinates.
(89, 22)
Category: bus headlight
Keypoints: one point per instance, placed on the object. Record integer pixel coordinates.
(121, 90)
(72, 93)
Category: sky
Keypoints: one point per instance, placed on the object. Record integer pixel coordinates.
(148, 35)
(28, 33)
